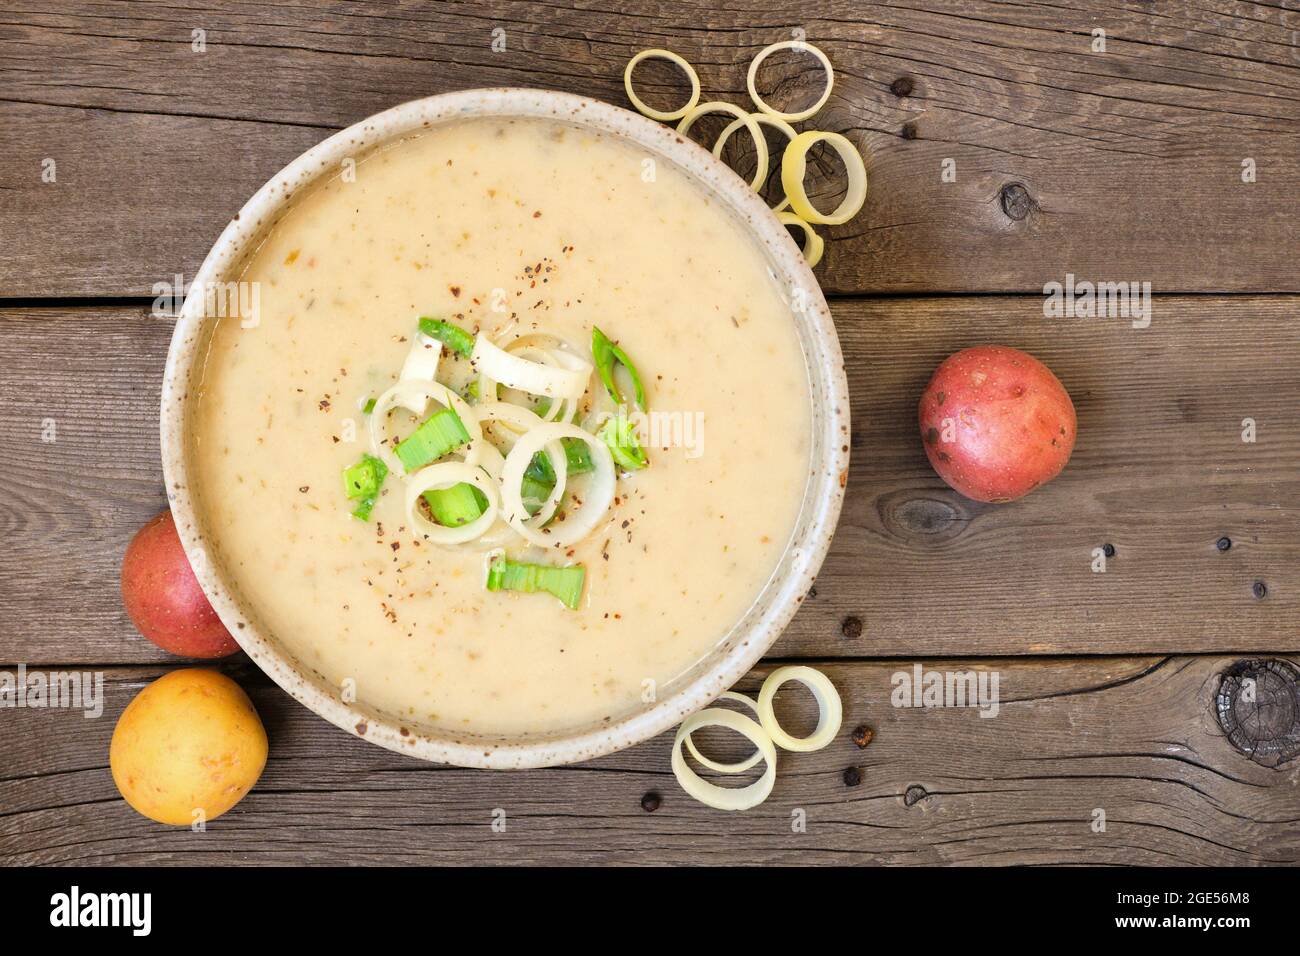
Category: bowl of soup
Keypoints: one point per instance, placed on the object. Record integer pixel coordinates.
(398, 342)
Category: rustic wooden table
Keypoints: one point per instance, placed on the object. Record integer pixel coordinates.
(1166, 151)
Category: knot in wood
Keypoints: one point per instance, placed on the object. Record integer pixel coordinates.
(1016, 201)
(1258, 707)
(929, 518)
(914, 795)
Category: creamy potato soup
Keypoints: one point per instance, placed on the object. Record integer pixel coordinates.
(514, 238)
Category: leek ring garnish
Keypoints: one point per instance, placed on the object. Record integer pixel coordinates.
(421, 365)
(760, 142)
(405, 391)
(671, 57)
(801, 46)
(444, 475)
(597, 498)
(710, 794)
(794, 166)
(522, 420)
(492, 461)
(765, 119)
(498, 365)
(813, 244)
(828, 703)
(743, 765)
(557, 354)
(766, 735)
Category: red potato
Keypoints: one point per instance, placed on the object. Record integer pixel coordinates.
(163, 598)
(996, 423)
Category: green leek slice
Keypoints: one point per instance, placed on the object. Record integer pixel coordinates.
(456, 506)
(449, 334)
(364, 478)
(606, 353)
(442, 433)
(362, 481)
(619, 437)
(576, 454)
(564, 583)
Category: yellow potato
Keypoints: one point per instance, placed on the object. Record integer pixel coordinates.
(190, 742)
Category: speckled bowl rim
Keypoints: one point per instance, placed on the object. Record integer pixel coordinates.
(781, 596)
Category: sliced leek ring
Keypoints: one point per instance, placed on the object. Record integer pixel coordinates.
(743, 765)
(828, 703)
(801, 46)
(760, 142)
(554, 381)
(404, 393)
(444, 475)
(522, 420)
(794, 166)
(671, 57)
(763, 119)
(500, 533)
(813, 244)
(535, 353)
(710, 794)
(421, 365)
(598, 497)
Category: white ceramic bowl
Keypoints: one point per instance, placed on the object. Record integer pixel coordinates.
(738, 650)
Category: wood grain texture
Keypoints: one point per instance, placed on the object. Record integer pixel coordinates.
(1133, 738)
(1159, 472)
(1128, 162)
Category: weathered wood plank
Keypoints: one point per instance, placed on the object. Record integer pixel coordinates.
(1160, 472)
(1132, 738)
(1130, 159)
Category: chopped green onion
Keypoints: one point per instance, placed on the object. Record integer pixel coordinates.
(440, 435)
(456, 506)
(619, 437)
(449, 334)
(370, 406)
(606, 353)
(564, 583)
(362, 480)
